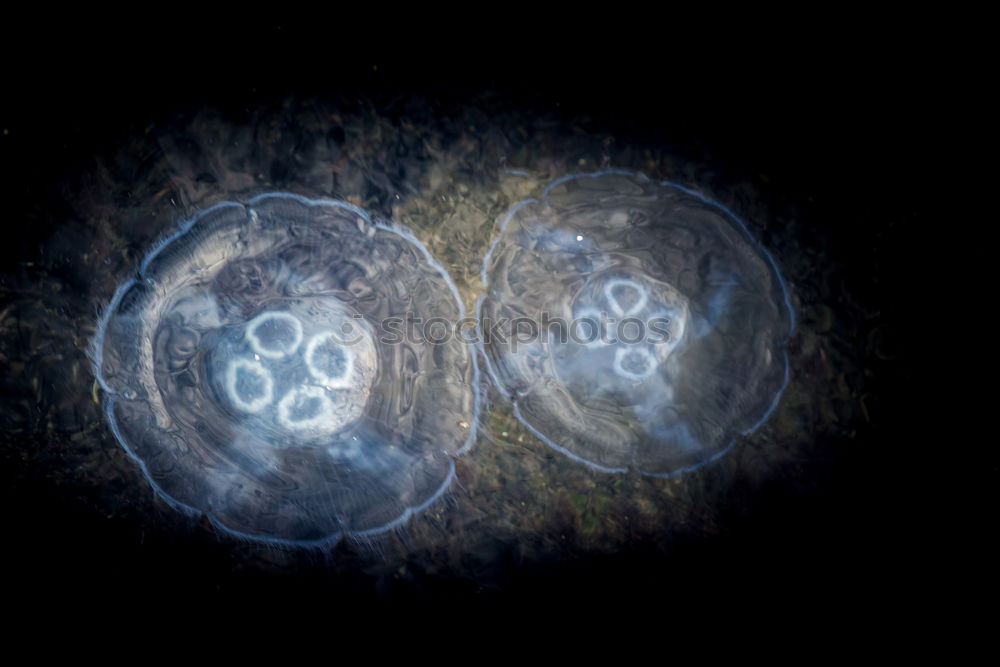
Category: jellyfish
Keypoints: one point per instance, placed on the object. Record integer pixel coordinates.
(634, 324)
(248, 372)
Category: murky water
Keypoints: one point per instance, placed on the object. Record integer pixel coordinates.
(516, 505)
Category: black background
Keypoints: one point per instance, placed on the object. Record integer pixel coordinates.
(840, 118)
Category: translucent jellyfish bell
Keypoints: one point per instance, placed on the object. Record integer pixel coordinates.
(634, 324)
(248, 374)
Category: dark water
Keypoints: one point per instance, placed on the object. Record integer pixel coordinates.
(95, 172)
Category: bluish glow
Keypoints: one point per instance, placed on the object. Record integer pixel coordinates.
(654, 251)
(230, 381)
(285, 335)
(340, 376)
(239, 369)
(635, 307)
(307, 408)
(634, 363)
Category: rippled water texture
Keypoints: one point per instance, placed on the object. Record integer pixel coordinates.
(247, 376)
(677, 323)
